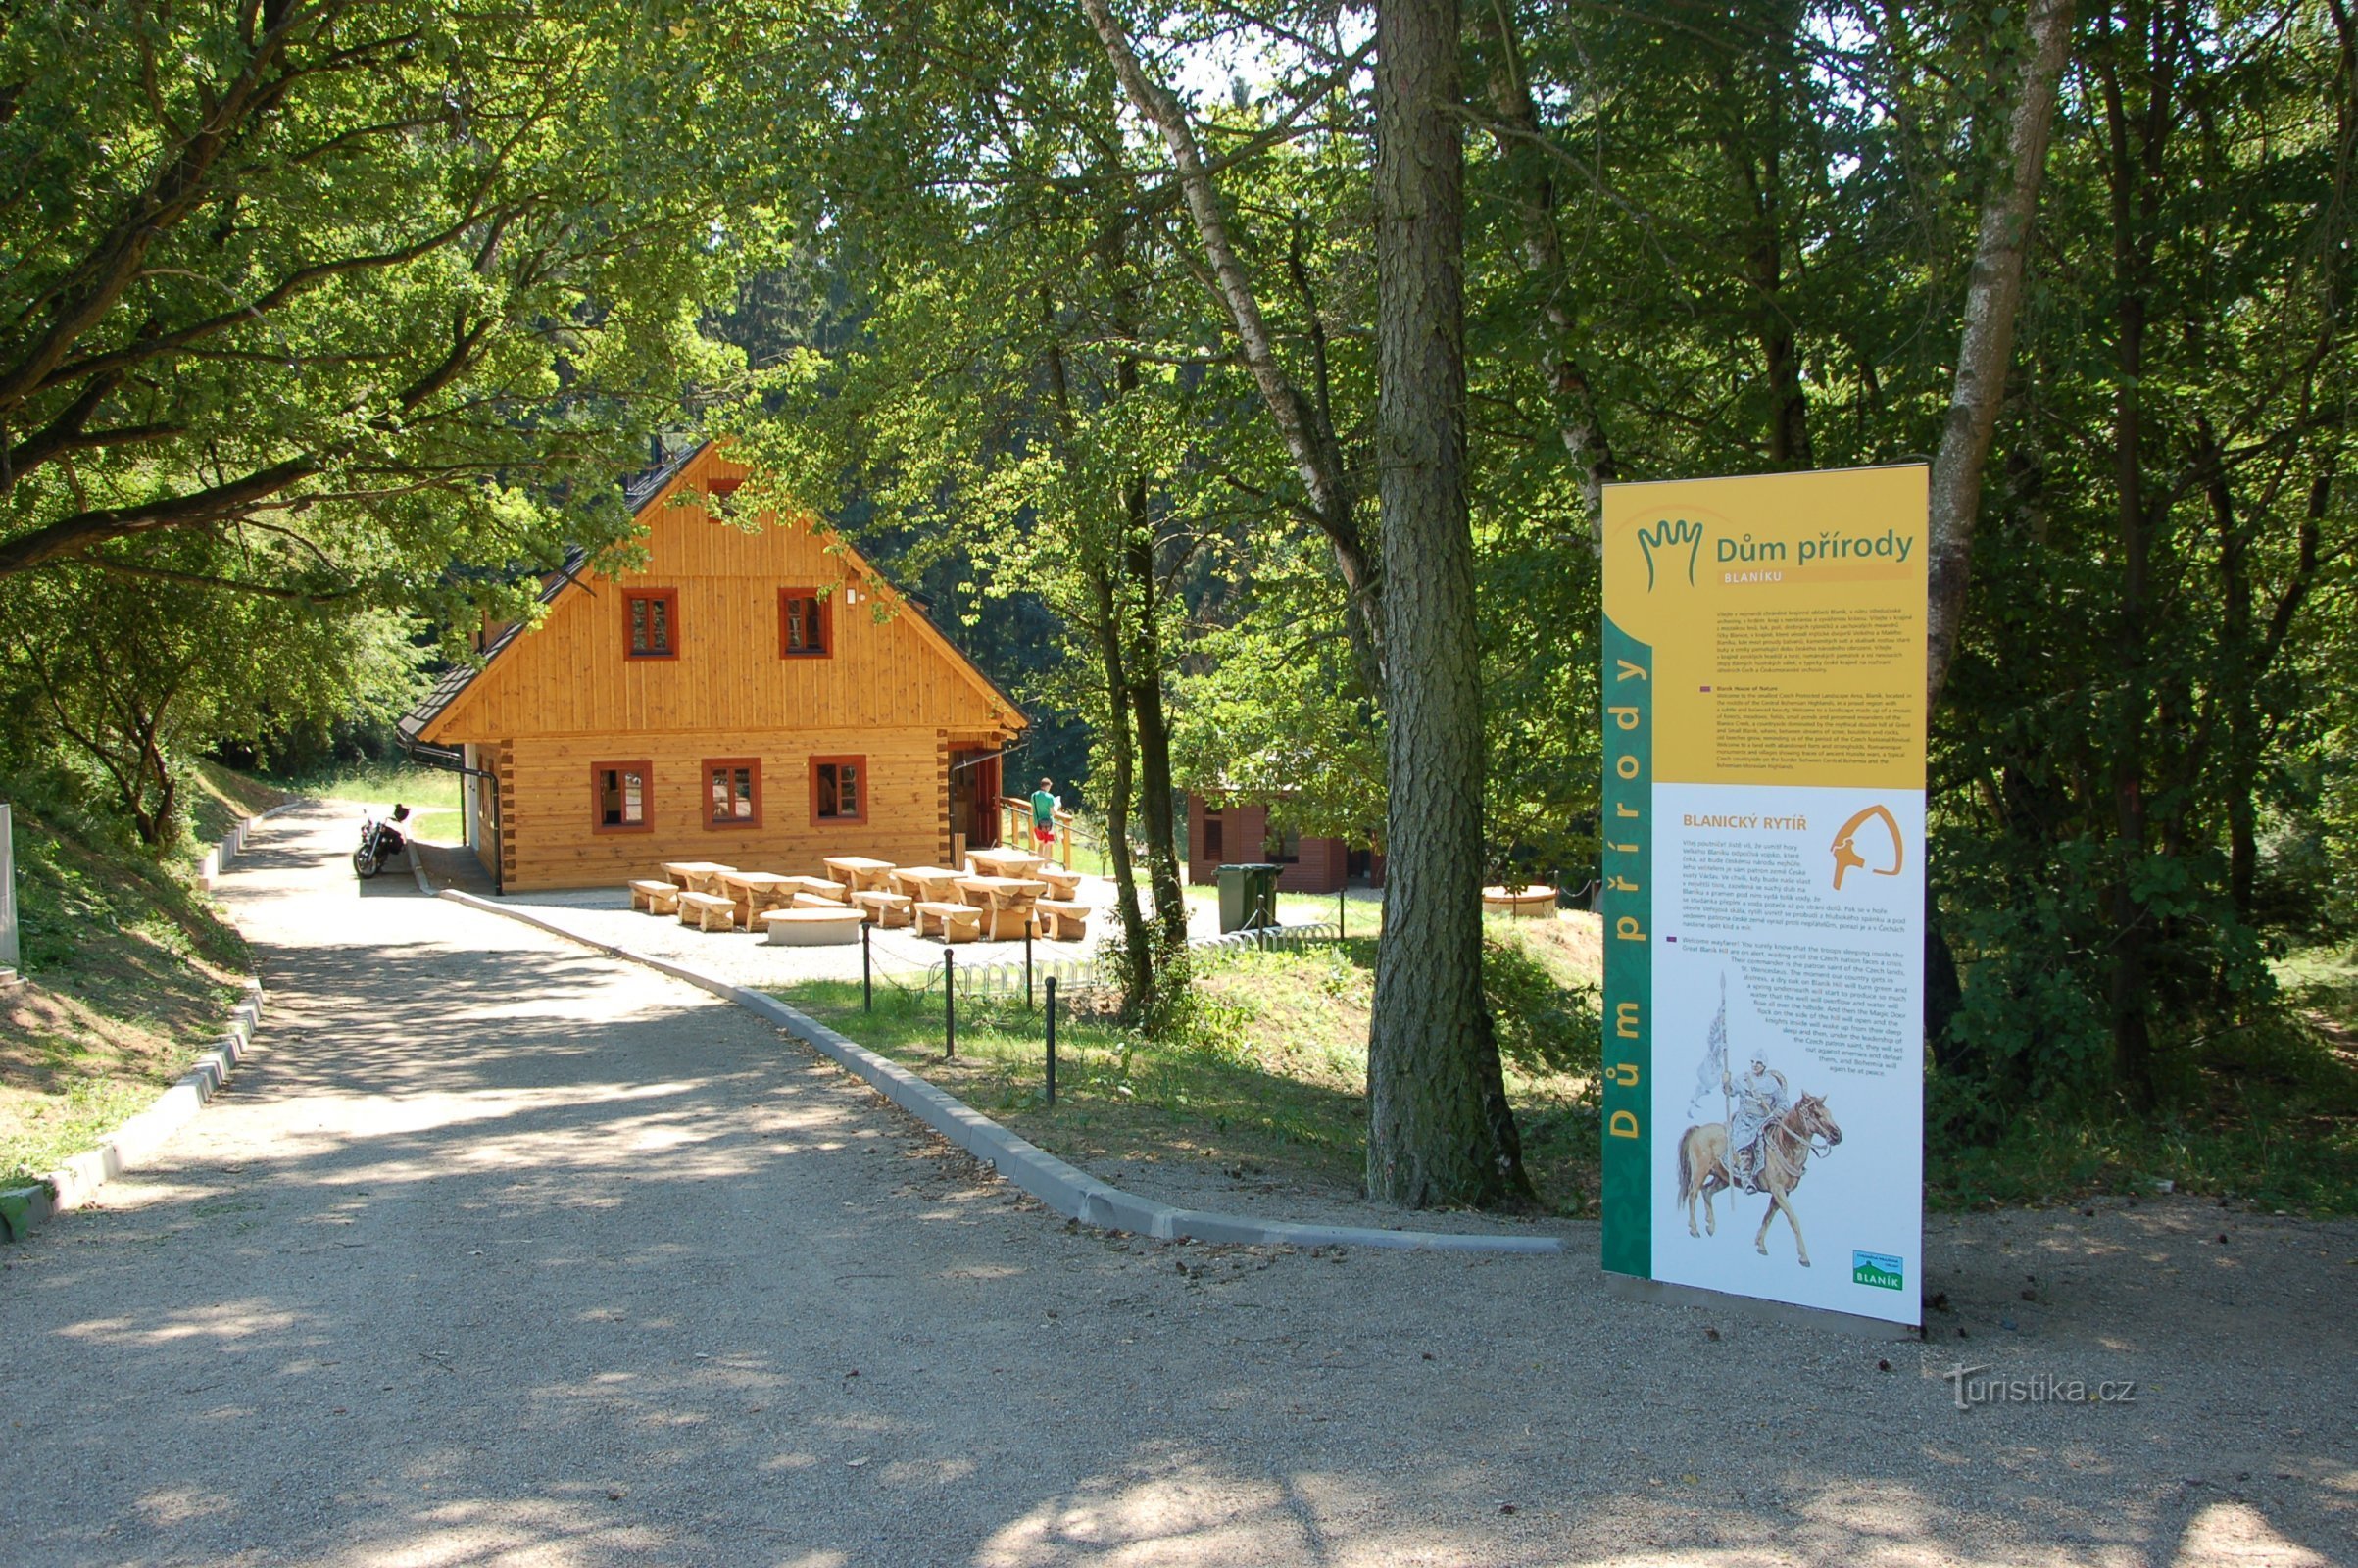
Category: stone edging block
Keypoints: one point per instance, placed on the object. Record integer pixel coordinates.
(71, 1185)
(1062, 1187)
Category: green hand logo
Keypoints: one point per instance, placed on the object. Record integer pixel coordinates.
(1664, 535)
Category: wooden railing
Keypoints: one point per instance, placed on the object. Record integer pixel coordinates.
(1015, 829)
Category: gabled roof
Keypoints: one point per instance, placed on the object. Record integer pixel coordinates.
(644, 493)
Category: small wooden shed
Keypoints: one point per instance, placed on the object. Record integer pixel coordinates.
(759, 698)
(1231, 828)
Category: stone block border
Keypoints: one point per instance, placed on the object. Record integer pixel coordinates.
(1064, 1187)
(71, 1185)
(217, 859)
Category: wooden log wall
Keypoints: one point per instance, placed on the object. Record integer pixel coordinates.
(551, 840)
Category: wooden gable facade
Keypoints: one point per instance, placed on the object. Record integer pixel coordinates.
(757, 698)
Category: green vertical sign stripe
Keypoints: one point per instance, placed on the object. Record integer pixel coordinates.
(1627, 833)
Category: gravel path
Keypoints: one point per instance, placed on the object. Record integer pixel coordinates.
(503, 1254)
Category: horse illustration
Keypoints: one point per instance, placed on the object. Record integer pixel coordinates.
(1786, 1145)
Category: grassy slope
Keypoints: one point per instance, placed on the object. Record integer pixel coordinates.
(1268, 1078)
(128, 973)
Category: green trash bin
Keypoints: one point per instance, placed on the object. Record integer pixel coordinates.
(1248, 896)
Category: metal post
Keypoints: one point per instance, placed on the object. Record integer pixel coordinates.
(9, 954)
(1052, 1039)
(949, 999)
(867, 985)
(1342, 892)
(1027, 966)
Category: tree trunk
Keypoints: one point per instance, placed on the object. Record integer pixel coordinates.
(1993, 301)
(1153, 743)
(1140, 999)
(1439, 1127)
(2134, 179)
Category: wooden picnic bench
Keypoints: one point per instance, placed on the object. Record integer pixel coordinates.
(708, 911)
(808, 927)
(753, 892)
(859, 873)
(926, 884)
(1064, 921)
(951, 922)
(1006, 900)
(655, 897)
(694, 876)
(821, 887)
(1061, 884)
(885, 908)
(1003, 862)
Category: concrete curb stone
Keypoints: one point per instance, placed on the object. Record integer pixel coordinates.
(69, 1186)
(1062, 1187)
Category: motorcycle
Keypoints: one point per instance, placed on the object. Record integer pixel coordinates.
(380, 840)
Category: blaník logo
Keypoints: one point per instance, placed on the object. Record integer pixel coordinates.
(1667, 536)
(1879, 1269)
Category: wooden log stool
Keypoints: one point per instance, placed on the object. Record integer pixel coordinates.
(1066, 923)
(951, 922)
(808, 927)
(656, 897)
(886, 909)
(708, 911)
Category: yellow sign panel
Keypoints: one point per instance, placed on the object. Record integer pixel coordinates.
(1787, 616)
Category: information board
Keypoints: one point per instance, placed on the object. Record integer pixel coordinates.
(1763, 848)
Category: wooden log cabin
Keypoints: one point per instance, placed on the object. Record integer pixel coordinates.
(757, 698)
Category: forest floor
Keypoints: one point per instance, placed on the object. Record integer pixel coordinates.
(129, 973)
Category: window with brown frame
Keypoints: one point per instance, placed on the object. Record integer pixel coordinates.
(621, 797)
(733, 791)
(651, 622)
(806, 624)
(839, 789)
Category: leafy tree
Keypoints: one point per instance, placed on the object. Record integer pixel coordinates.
(138, 676)
(394, 282)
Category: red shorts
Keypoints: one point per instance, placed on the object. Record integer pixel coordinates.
(1045, 835)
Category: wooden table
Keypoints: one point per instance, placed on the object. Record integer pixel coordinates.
(695, 876)
(825, 886)
(1006, 902)
(858, 873)
(1003, 862)
(1063, 884)
(753, 892)
(926, 884)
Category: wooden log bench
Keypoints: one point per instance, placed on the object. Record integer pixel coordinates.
(951, 922)
(808, 927)
(1066, 923)
(1061, 884)
(708, 911)
(818, 900)
(655, 896)
(886, 909)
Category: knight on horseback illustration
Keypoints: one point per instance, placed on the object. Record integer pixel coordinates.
(1762, 1142)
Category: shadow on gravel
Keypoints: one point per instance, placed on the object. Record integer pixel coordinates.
(518, 1256)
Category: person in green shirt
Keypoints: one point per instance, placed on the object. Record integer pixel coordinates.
(1044, 813)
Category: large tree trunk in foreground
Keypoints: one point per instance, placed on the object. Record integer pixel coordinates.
(1993, 301)
(1439, 1130)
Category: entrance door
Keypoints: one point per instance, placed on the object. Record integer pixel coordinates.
(974, 798)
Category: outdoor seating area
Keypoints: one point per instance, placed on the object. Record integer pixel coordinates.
(1003, 894)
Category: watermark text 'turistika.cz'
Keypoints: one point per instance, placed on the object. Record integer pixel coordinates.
(1974, 1385)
